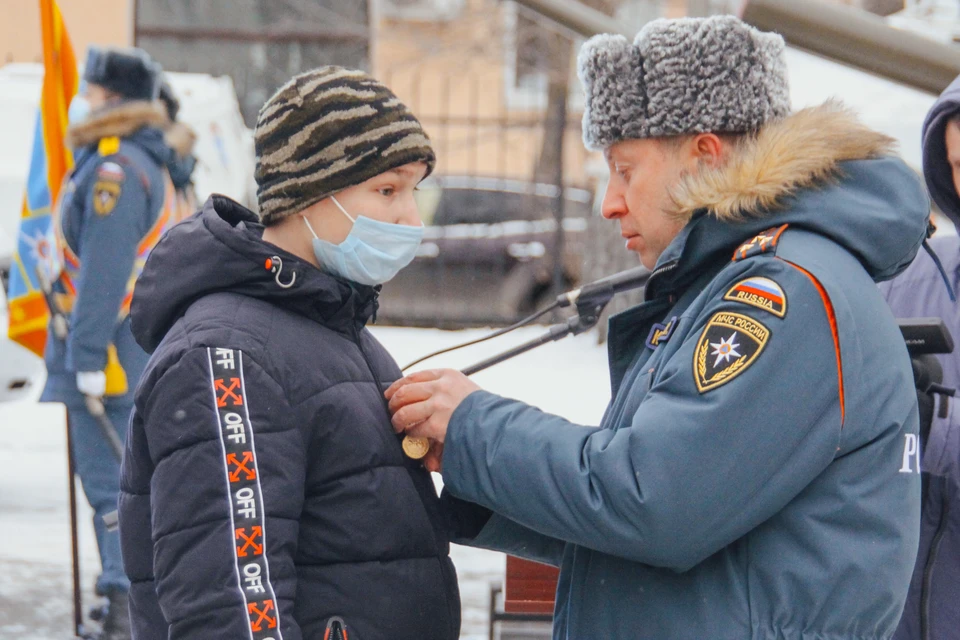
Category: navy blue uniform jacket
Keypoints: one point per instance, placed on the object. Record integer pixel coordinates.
(756, 474)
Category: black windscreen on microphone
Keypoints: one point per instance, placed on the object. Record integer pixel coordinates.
(606, 288)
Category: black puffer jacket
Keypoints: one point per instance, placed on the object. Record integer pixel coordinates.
(264, 493)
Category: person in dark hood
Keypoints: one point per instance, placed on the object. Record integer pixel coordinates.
(755, 474)
(181, 164)
(931, 610)
(264, 493)
(108, 219)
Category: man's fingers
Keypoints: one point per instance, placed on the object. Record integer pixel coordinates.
(430, 427)
(409, 394)
(419, 376)
(409, 416)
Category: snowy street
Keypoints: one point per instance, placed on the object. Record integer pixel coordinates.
(568, 378)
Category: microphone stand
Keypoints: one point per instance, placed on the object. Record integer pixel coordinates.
(588, 314)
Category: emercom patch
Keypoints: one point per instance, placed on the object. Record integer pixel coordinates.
(762, 293)
(730, 343)
(105, 196)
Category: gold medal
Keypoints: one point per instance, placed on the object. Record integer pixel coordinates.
(415, 448)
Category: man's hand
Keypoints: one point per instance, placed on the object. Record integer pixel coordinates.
(433, 461)
(423, 402)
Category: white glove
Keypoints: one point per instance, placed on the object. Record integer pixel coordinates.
(92, 383)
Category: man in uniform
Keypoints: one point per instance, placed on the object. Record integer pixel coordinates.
(756, 473)
(110, 215)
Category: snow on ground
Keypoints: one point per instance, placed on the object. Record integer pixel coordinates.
(567, 377)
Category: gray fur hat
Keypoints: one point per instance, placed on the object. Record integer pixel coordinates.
(682, 76)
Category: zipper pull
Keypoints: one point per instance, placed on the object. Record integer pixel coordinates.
(336, 629)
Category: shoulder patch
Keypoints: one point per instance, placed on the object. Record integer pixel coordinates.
(730, 343)
(105, 196)
(762, 293)
(761, 243)
(108, 146)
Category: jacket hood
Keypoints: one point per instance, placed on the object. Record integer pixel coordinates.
(221, 249)
(820, 170)
(181, 169)
(936, 169)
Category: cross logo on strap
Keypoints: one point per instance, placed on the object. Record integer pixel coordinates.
(236, 400)
(263, 615)
(249, 541)
(241, 466)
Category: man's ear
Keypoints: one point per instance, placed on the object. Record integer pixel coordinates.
(708, 149)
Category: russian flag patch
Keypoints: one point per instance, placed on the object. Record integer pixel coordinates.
(762, 293)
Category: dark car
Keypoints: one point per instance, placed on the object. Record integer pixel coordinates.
(488, 252)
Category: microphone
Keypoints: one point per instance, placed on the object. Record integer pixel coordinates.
(602, 290)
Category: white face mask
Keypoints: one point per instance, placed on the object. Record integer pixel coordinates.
(79, 110)
(372, 253)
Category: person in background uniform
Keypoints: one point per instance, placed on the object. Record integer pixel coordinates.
(264, 493)
(181, 139)
(754, 475)
(932, 610)
(109, 215)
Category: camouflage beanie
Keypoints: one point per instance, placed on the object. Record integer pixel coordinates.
(326, 130)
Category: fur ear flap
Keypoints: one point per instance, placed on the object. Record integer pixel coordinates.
(610, 69)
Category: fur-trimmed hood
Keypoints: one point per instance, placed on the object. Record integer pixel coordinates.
(803, 150)
(818, 169)
(121, 121)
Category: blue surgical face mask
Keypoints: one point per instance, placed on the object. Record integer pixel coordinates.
(372, 253)
(79, 110)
